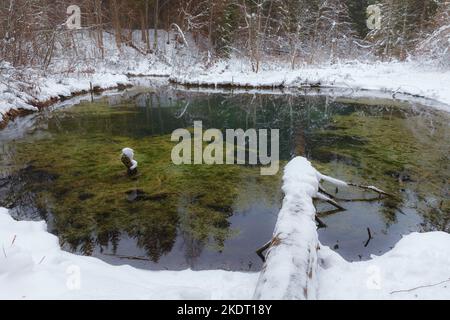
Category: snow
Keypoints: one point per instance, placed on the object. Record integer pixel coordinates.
(129, 153)
(291, 266)
(18, 94)
(299, 267)
(69, 75)
(32, 266)
(418, 267)
(397, 78)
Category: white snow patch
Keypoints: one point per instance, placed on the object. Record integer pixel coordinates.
(418, 267)
(399, 78)
(32, 266)
(290, 271)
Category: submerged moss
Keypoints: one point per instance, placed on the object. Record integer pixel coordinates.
(70, 170)
(395, 153)
(93, 200)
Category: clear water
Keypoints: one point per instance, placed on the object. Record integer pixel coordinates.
(65, 168)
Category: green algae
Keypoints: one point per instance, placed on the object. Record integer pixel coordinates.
(74, 175)
(91, 198)
(397, 154)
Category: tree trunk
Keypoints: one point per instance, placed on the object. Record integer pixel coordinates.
(116, 24)
(290, 271)
(155, 35)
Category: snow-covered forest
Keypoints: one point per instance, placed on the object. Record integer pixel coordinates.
(262, 31)
(49, 41)
(359, 90)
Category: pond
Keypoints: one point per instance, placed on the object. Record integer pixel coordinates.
(66, 169)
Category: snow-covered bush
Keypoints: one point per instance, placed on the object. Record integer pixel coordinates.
(436, 46)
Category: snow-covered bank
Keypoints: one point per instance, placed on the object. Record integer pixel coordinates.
(395, 78)
(299, 267)
(71, 73)
(418, 267)
(32, 266)
(38, 90)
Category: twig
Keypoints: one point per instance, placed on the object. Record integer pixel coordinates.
(42, 260)
(322, 190)
(320, 223)
(14, 240)
(260, 251)
(421, 287)
(370, 238)
(274, 241)
(127, 257)
(328, 212)
(184, 111)
(372, 188)
(4, 252)
(323, 197)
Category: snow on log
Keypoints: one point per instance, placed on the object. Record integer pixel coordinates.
(291, 264)
(128, 160)
(290, 269)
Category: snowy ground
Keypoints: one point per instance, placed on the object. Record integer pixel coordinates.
(69, 75)
(418, 267)
(32, 266)
(394, 78)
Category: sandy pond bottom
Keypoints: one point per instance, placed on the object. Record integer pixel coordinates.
(66, 169)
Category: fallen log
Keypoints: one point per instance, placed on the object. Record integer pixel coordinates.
(291, 263)
(290, 270)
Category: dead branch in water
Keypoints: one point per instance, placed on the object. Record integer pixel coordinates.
(328, 212)
(321, 196)
(261, 250)
(322, 190)
(126, 257)
(320, 223)
(370, 238)
(372, 188)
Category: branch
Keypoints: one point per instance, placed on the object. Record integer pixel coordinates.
(328, 212)
(421, 287)
(260, 251)
(322, 190)
(372, 188)
(338, 182)
(323, 197)
(370, 238)
(181, 33)
(274, 241)
(127, 257)
(320, 223)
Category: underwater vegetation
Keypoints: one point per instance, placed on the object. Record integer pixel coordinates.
(68, 170)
